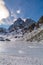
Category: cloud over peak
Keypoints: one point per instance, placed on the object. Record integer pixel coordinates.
(4, 13)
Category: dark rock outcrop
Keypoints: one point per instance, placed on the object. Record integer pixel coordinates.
(41, 20)
(29, 24)
(7, 39)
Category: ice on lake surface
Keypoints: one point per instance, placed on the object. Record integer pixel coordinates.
(21, 53)
(22, 48)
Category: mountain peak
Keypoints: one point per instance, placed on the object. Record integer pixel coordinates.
(18, 22)
(19, 19)
(41, 19)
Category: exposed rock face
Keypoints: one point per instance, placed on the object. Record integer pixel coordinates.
(29, 24)
(41, 20)
(37, 25)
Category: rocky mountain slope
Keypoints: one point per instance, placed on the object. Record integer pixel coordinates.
(28, 30)
(33, 31)
(35, 35)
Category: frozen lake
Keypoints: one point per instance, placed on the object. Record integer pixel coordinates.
(21, 49)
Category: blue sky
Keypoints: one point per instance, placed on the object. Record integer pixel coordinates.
(29, 8)
(24, 9)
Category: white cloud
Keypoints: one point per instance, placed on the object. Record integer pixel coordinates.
(18, 11)
(13, 14)
(4, 13)
(2, 2)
